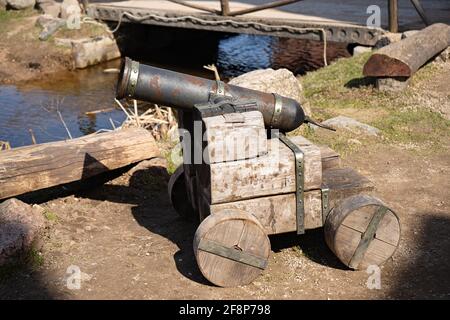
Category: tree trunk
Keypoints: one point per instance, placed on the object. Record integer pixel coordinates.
(404, 58)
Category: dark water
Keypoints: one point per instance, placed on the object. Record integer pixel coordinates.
(35, 105)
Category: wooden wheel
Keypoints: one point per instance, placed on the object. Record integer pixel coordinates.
(362, 231)
(231, 248)
(178, 195)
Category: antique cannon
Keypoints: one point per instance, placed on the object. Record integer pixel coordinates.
(182, 91)
(269, 184)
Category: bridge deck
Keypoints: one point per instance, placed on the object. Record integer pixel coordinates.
(343, 21)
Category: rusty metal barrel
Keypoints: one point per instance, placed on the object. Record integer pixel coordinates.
(178, 90)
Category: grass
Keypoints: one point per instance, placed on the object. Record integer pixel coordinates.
(341, 89)
(50, 216)
(7, 15)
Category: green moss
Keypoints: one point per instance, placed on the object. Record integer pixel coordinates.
(50, 216)
(8, 15)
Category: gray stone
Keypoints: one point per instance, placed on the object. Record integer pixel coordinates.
(70, 8)
(50, 8)
(281, 81)
(391, 84)
(50, 28)
(444, 56)
(342, 122)
(20, 227)
(361, 49)
(43, 19)
(21, 4)
(409, 33)
(387, 39)
(94, 51)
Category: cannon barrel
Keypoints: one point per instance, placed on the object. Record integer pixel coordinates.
(178, 90)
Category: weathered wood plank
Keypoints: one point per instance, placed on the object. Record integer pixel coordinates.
(277, 214)
(343, 183)
(234, 136)
(45, 165)
(271, 174)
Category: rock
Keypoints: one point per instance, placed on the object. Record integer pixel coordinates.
(50, 28)
(70, 8)
(342, 122)
(409, 33)
(387, 39)
(68, 43)
(43, 19)
(3, 4)
(21, 4)
(391, 84)
(444, 56)
(361, 49)
(94, 51)
(20, 227)
(50, 8)
(281, 81)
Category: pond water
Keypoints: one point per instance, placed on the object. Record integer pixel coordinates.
(33, 106)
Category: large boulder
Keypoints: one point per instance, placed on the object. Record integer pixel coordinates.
(20, 227)
(281, 81)
(70, 8)
(21, 4)
(49, 7)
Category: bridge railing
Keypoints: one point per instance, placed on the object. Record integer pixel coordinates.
(225, 7)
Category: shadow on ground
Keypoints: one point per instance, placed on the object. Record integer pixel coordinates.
(147, 191)
(23, 280)
(427, 274)
(312, 244)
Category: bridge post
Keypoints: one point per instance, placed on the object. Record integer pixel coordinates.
(225, 7)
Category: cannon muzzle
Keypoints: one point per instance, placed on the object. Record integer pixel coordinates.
(183, 91)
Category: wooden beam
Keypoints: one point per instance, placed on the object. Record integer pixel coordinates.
(404, 58)
(46, 165)
(393, 16)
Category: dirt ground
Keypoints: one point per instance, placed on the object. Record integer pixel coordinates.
(130, 244)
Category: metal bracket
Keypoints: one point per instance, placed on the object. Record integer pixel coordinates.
(299, 181)
(367, 237)
(325, 203)
(234, 254)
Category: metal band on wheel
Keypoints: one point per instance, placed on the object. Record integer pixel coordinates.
(134, 74)
(276, 110)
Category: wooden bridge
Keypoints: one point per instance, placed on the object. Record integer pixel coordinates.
(339, 21)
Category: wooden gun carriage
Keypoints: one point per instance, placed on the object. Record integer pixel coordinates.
(245, 182)
(273, 185)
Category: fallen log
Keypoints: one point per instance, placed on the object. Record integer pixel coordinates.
(405, 57)
(35, 167)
